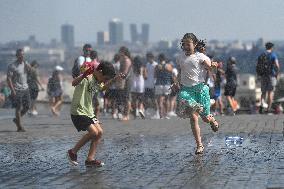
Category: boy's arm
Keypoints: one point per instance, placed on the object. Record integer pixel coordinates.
(109, 82)
(77, 80)
(88, 72)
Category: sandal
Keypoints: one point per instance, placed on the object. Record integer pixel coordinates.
(213, 123)
(199, 149)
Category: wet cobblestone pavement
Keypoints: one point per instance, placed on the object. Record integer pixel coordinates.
(144, 154)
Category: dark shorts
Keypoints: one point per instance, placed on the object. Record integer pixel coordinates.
(22, 99)
(268, 84)
(126, 95)
(149, 93)
(217, 93)
(56, 93)
(82, 122)
(138, 96)
(230, 90)
(34, 94)
(111, 93)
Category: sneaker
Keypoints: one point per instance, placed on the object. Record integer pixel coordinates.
(94, 163)
(119, 116)
(34, 113)
(172, 114)
(157, 116)
(199, 149)
(167, 117)
(212, 101)
(114, 116)
(142, 114)
(72, 157)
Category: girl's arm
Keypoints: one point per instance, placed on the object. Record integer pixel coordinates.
(210, 65)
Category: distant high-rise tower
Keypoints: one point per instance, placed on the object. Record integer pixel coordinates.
(115, 31)
(67, 35)
(145, 33)
(133, 33)
(102, 38)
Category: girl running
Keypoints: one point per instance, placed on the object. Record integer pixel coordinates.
(194, 98)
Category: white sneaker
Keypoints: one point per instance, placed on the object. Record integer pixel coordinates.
(157, 116)
(119, 116)
(137, 113)
(172, 114)
(114, 116)
(142, 114)
(34, 113)
(264, 104)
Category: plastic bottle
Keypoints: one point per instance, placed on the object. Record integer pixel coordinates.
(233, 141)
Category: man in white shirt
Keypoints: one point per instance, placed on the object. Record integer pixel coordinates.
(87, 48)
(150, 82)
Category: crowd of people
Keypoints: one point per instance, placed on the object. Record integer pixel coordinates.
(152, 87)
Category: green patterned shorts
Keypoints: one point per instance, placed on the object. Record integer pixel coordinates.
(193, 98)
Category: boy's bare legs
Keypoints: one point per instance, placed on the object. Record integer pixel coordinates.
(92, 132)
(95, 140)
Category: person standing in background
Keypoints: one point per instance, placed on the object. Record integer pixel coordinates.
(54, 91)
(149, 96)
(137, 87)
(34, 87)
(17, 81)
(231, 85)
(268, 74)
(126, 71)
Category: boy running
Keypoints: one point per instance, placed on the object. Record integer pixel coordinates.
(82, 112)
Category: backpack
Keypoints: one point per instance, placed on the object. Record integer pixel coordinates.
(264, 65)
(76, 68)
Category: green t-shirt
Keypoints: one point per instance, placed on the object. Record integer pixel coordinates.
(82, 102)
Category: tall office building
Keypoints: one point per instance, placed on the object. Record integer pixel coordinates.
(67, 35)
(145, 33)
(133, 33)
(115, 31)
(102, 38)
(142, 37)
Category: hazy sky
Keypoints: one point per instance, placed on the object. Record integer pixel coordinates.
(168, 19)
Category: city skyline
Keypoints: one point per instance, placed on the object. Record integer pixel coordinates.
(222, 20)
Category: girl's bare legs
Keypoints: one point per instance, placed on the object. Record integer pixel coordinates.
(51, 104)
(195, 128)
(58, 103)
